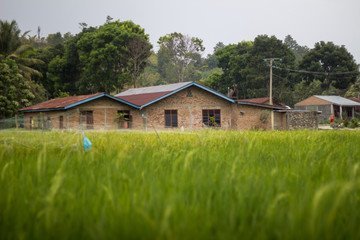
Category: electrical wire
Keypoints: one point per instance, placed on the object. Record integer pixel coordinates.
(319, 73)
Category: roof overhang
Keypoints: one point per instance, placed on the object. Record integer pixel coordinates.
(262, 105)
(79, 103)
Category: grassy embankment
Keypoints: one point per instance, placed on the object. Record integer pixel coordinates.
(220, 185)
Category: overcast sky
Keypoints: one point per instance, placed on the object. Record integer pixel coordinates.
(227, 21)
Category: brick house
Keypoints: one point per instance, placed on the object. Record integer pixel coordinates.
(186, 105)
(338, 106)
(94, 111)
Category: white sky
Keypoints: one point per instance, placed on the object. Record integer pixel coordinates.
(227, 21)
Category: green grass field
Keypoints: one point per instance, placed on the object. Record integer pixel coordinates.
(201, 185)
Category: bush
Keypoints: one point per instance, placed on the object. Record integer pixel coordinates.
(346, 122)
(325, 122)
(354, 123)
(338, 121)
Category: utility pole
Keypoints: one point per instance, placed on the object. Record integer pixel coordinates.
(271, 60)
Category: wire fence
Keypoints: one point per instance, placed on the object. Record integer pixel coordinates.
(62, 122)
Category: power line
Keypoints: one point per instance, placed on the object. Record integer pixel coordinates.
(319, 73)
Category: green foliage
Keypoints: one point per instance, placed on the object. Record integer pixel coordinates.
(104, 54)
(299, 51)
(329, 58)
(243, 65)
(346, 122)
(9, 38)
(303, 90)
(181, 50)
(203, 185)
(264, 116)
(354, 90)
(14, 91)
(354, 123)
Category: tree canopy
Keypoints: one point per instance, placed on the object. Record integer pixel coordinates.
(182, 50)
(243, 66)
(335, 62)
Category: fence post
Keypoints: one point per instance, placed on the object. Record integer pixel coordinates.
(16, 121)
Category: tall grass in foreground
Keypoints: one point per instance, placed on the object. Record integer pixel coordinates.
(217, 185)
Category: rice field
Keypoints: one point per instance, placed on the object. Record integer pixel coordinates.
(196, 185)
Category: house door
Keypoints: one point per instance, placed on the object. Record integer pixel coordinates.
(87, 119)
(61, 122)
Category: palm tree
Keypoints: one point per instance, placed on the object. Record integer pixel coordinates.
(11, 47)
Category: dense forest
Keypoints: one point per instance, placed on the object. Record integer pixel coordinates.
(118, 55)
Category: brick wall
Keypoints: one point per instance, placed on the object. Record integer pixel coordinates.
(189, 104)
(312, 101)
(246, 117)
(104, 112)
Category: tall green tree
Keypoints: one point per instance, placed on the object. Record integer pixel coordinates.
(335, 62)
(299, 51)
(105, 56)
(182, 51)
(11, 48)
(243, 65)
(9, 38)
(139, 52)
(15, 93)
(65, 71)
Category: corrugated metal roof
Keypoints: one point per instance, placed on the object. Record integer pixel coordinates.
(338, 100)
(153, 89)
(60, 102)
(143, 97)
(69, 102)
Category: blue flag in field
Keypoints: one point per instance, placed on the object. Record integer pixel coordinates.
(87, 143)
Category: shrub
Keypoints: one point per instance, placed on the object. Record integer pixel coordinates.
(354, 123)
(346, 122)
(325, 122)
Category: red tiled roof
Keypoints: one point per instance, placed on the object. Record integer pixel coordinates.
(256, 100)
(355, 99)
(141, 99)
(60, 102)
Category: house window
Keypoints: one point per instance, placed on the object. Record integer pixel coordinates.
(211, 117)
(171, 118)
(124, 118)
(189, 93)
(61, 122)
(87, 119)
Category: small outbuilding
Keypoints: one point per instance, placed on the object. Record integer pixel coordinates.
(338, 106)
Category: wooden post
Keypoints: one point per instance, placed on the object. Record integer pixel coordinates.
(341, 113)
(16, 121)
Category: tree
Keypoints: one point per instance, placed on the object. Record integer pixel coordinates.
(14, 91)
(104, 55)
(299, 51)
(139, 51)
(336, 64)
(11, 48)
(243, 65)
(181, 50)
(9, 38)
(65, 71)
